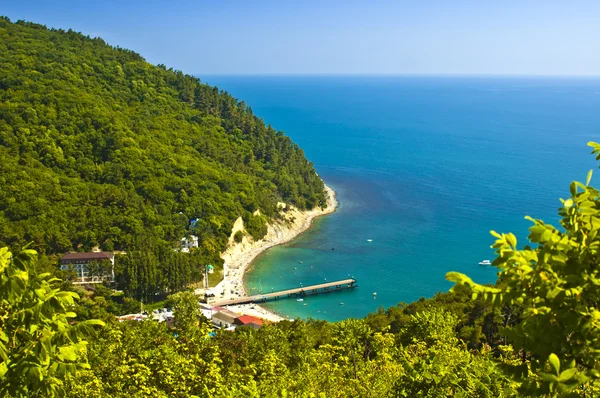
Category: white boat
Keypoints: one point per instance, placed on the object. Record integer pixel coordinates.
(369, 240)
(485, 262)
(300, 299)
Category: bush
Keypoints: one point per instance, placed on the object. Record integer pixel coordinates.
(256, 226)
(238, 237)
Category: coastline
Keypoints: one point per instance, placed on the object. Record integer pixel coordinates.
(239, 256)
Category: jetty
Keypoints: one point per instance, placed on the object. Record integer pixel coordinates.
(289, 293)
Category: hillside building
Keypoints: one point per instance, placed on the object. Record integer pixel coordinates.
(224, 318)
(188, 243)
(90, 267)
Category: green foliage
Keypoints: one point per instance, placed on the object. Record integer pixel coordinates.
(478, 322)
(99, 147)
(256, 225)
(293, 359)
(145, 273)
(38, 343)
(98, 304)
(186, 309)
(436, 365)
(131, 306)
(430, 326)
(238, 236)
(557, 283)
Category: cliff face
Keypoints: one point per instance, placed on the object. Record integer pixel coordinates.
(291, 223)
(99, 147)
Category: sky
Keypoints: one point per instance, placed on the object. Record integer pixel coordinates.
(439, 37)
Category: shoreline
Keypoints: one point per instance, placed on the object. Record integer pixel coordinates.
(239, 256)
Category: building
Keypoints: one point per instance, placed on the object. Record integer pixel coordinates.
(224, 318)
(189, 243)
(90, 267)
(248, 320)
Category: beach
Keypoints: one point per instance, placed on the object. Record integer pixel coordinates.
(239, 256)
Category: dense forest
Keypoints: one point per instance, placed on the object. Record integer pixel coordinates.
(535, 333)
(100, 148)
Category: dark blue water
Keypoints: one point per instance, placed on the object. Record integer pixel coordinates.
(425, 168)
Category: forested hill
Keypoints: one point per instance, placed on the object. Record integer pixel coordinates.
(99, 147)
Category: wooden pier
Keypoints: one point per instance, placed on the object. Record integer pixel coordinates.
(297, 292)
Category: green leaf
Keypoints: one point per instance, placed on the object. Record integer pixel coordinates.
(573, 188)
(554, 363)
(94, 322)
(567, 375)
(553, 293)
(511, 239)
(68, 353)
(549, 377)
(568, 203)
(457, 277)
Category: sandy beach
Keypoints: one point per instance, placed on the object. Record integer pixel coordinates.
(239, 256)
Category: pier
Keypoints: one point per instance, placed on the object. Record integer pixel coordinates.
(297, 292)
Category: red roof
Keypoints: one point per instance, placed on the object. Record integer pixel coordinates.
(88, 256)
(248, 319)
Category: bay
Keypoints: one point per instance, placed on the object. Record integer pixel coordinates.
(424, 168)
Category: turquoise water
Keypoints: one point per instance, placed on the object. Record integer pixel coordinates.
(425, 168)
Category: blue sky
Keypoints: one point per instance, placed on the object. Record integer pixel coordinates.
(527, 37)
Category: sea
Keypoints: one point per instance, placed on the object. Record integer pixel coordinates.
(424, 168)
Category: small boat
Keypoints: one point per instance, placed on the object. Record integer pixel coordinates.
(300, 299)
(341, 303)
(485, 262)
(300, 262)
(374, 293)
(369, 240)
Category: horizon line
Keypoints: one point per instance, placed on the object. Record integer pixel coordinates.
(458, 75)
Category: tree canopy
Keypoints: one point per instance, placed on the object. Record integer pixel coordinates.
(38, 344)
(100, 147)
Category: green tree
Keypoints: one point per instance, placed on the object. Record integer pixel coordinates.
(238, 237)
(38, 343)
(436, 364)
(187, 314)
(100, 148)
(557, 282)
